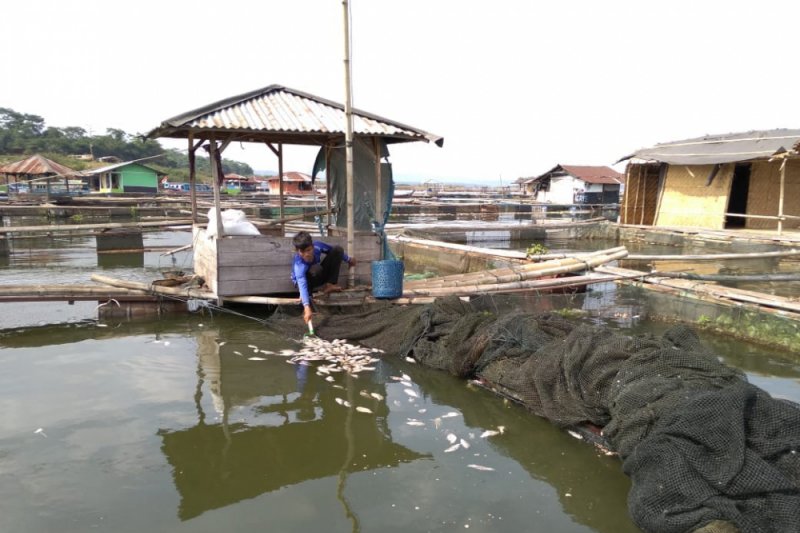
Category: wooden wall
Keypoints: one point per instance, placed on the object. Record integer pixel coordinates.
(764, 192)
(261, 264)
(687, 200)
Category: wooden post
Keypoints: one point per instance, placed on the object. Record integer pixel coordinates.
(627, 197)
(192, 180)
(644, 195)
(780, 198)
(348, 140)
(280, 186)
(379, 185)
(212, 159)
(328, 183)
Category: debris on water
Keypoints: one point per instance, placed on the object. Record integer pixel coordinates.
(166, 343)
(574, 434)
(481, 468)
(363, 410)
(256, 359)
(452, 448)
(451, 438)
(396, 403)
(41, 432)
(411, 393)
(437, 422)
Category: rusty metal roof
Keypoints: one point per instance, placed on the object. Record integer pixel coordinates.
(280, 114)
(37, 165)
(292, 176)
(589, 174)
(717, 149)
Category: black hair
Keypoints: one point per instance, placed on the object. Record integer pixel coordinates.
(302, 240)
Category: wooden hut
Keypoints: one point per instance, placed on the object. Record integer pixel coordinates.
(37, 174)
(275, 116)
(293, 183)
(742, 180)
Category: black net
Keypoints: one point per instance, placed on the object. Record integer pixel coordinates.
(705, 450)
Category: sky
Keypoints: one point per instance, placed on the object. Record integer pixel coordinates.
(515, 87)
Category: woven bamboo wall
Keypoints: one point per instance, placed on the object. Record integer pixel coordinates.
(687, 201)
(764, 193)
(641, 195)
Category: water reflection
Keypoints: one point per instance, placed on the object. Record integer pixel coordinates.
(279, 425)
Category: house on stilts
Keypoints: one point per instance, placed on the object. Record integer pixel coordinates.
(273, 117)
(745, 180)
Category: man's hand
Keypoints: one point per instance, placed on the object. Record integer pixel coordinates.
(307, 313)
(352, 262)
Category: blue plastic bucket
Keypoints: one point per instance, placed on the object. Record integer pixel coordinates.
(387, 278)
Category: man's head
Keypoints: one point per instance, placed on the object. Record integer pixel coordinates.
(304, 246)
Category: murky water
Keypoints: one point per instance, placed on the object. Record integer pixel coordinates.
(167, 425)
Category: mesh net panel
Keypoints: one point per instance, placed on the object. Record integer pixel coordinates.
(705, 450)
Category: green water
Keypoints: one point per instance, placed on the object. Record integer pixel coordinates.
(167, 425)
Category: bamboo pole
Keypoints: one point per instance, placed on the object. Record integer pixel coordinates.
(780, 199)
(280, 182)
(348, 141)
(217, 179)
(192, 177)
(711, 257)
(110, 225)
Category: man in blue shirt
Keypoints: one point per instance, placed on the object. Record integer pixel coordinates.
(310, 271)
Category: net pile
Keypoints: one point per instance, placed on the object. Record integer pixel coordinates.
(705, 450)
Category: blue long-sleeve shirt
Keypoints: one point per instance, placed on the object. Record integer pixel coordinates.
(300, 269)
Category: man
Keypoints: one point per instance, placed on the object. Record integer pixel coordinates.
(309, 271)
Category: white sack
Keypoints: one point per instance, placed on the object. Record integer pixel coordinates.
(234, 222)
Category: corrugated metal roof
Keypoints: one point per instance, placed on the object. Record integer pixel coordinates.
(728, 148)
(589, 174)
(109, 168)
(292, 176)
(37, 165)
(280, 114)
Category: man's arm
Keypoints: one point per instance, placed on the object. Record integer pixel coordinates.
(325, 248)
(300, 269)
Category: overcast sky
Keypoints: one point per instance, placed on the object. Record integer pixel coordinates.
(514, 87)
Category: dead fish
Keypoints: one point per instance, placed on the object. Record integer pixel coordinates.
(364, 393)
(437, 423)
(406, 377)
(265, 352)
(415, 422)
(363, 410)
(376, 396)
(223, 343)
(574, 434)
(465, 444)
(489, 433)
(329, 379)
(449, 415)
(451, 438)
(345, 403)
(253, 346)
(501, 429)
(410, 360)
(237, 353)
(287, 352)
(339, 401)
(422, 411)
(411, 393)
(41, 432)
(482, 468)
(452, 448)
(337, 386)
(397, 403)
(256, 359)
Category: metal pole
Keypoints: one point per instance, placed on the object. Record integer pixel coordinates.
(348, 139)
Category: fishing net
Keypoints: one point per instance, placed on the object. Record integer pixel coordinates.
(705, 450)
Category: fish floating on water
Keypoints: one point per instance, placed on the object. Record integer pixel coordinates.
(453, 448)
(481, 468)
(363, 410)
(256, 359)
(336, 355)
(411, 393)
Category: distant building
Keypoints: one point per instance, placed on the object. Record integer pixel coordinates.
(39, 175)
(293, 183)
(126, 177)
(237, 182)
(573, 184)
